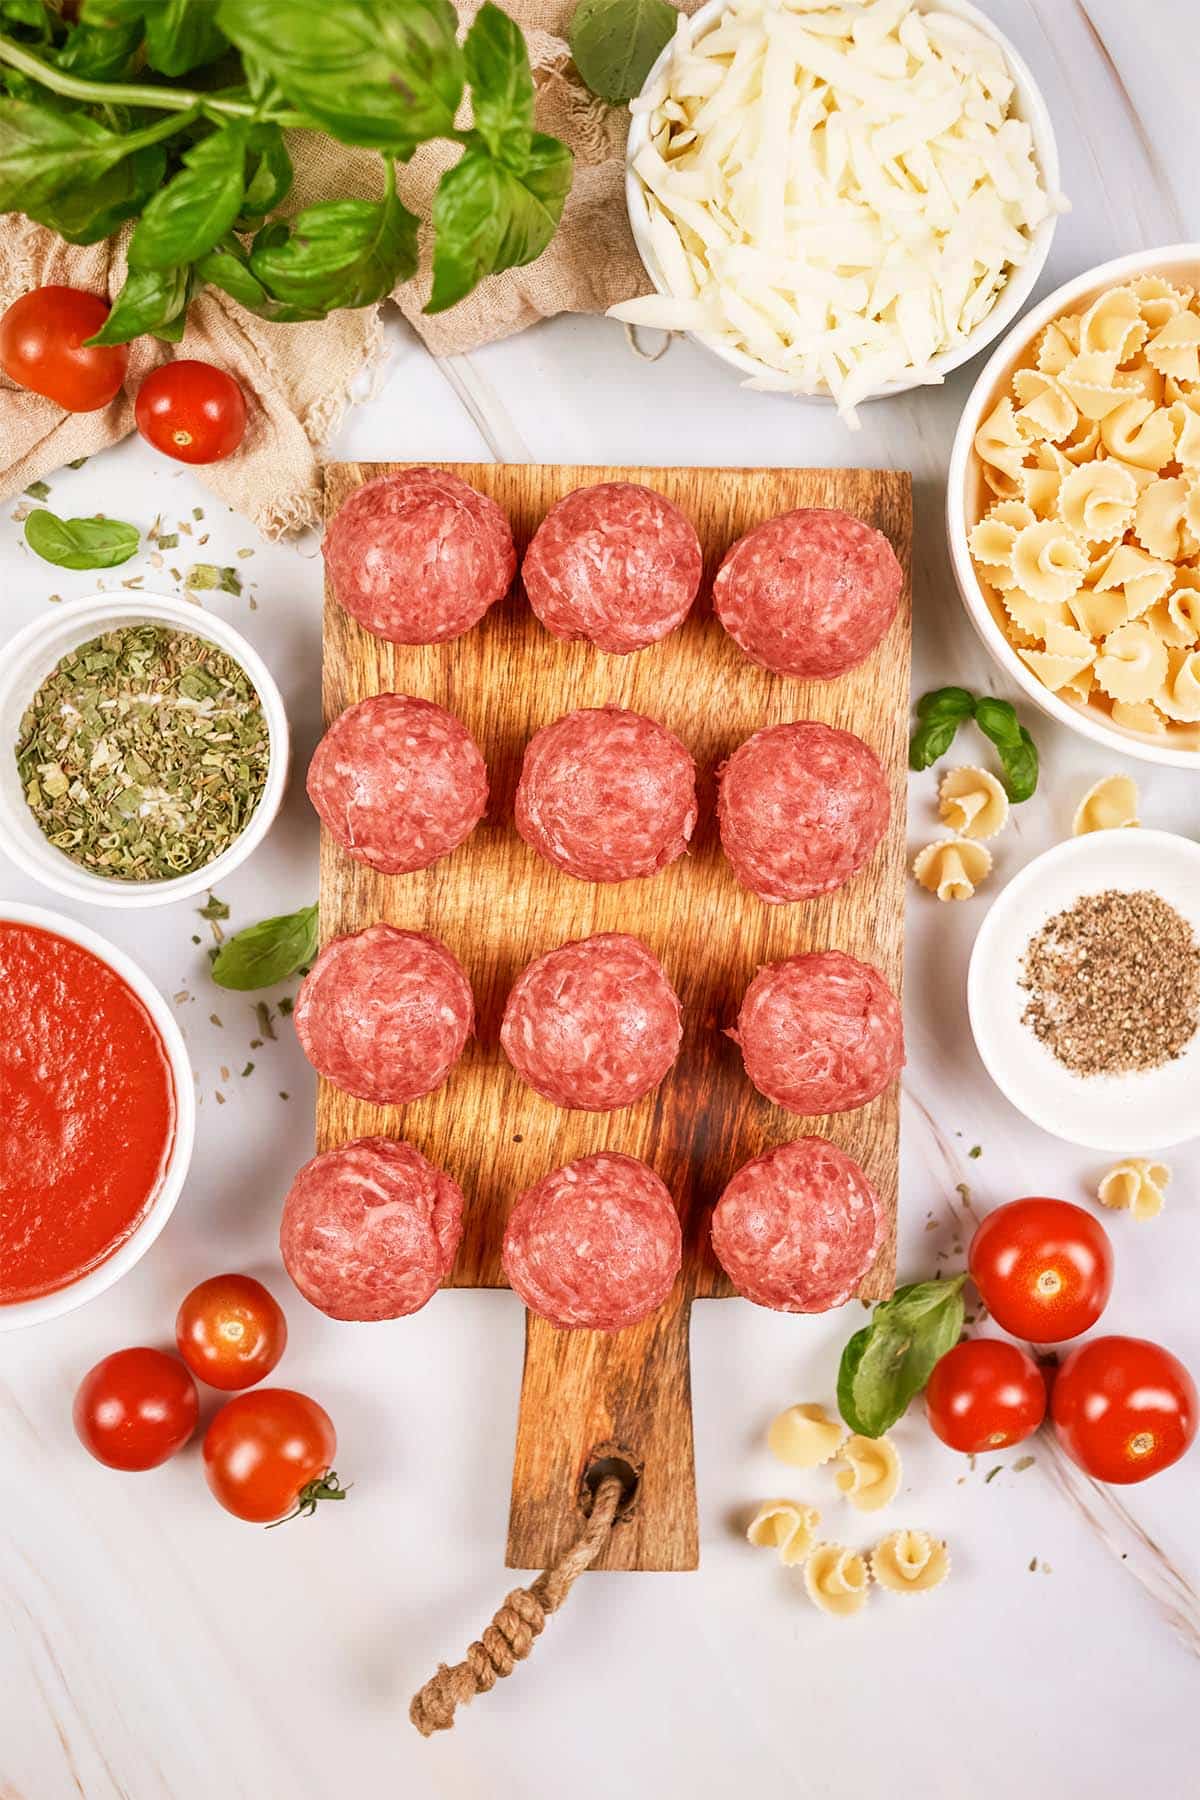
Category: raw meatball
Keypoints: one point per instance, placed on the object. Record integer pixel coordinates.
(594, 1025)
(595, 1244)
(798, 1228)
(384, 1014)
(398, 782)
(419, 557)
(370, 1230)
(801, 808)
(820, 1033)
(607, 794)
(616, 564)
(809, 593)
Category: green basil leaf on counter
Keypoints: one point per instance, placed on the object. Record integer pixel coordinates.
(501, 84)
(888, 1362)
(615, 43)
(1016, 749)
(152, 300)
(939, 716)
(488, 217)
(262, 955)
(338, 253)
(80, 543)
(197, 206)
(180, 34)
(383, 73)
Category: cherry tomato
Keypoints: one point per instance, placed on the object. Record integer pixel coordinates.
(267, 1456)
(42, 348)
(1043, 1267)
(985, 1394)
(230, 1331)
(135, 1409)
(191, 411)
(1123, 1408)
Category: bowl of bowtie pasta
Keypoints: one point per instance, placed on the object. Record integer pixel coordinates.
(1073, 505)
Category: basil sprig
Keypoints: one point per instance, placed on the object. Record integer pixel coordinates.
(888, 1362)
(615, 43)
(939, 716)
(80, 543)
(91, 136)
(262, 955)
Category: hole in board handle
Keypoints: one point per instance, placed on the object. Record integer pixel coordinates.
(611, 1459)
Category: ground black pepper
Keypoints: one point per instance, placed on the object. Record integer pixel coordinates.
(1113, 983)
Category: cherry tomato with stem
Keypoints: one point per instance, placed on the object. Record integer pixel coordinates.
(192, 411)
(136, 1408)
(268, 1456)
(1044, 1269)
(1123, 1408)
(230, 1331)
(985, 1394)
(43, 348)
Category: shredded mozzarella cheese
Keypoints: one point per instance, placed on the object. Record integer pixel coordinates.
(838, 191)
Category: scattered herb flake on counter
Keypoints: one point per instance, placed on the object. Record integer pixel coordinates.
(144, 753)
(265, 954)
(213, 908)
(38, 490)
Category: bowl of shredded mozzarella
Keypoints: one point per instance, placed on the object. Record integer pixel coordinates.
(843, 201)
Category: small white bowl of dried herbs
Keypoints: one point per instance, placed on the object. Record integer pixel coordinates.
(143, 750)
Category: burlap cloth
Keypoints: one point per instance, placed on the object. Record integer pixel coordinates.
(300, 376)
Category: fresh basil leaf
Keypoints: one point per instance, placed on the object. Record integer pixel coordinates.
(940, 714)
(384, 73)
(488, 217)
(338, 253)
(80, 543)
(888, 1362)
(262, 955)
(997, 720)
(268, 174)
(197, 206)
(501, 84)
(92, 210)
(227, 266)
(100, 52)
(44, 152)
(152, 300)
(32, 14)
(615, 43)
(180, 34)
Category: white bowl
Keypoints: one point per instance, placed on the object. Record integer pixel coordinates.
(1028, 105)
(135, 1246)
(965, 502)
(1123, 1114)
(27, 660)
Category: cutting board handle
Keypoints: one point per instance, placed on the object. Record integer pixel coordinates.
(589, 1396)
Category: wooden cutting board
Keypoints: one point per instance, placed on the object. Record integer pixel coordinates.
(498, 905)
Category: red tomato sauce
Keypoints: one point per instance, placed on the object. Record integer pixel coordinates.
(87, 1111)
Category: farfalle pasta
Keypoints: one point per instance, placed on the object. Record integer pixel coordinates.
(787, 1526)
(954, 868)
(837, 1580)
(910, 1562)
(870, 1477)
(1109, 805)
(1136, 1187)
(973, 803)
(1088, 536)
(805, 1436)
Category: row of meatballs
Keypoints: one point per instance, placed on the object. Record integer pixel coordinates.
(605, 794)
(418, 557)
(592, 1026)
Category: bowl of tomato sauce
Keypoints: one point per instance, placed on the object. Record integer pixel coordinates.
(97, 1114)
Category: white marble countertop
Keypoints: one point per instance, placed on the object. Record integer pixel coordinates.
(151, 1646)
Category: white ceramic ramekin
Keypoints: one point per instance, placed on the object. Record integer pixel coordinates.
(27, 660)
(162, 1205)
(1028, 105)
(966, 497)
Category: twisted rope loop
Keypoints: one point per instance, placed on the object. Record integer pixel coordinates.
(516, 1626)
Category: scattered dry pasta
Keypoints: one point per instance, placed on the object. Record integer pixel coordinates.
(836, 1579)
(1091, 544)
(871, 1476)
(805, 1436)
(953, 868)
(787, 1526)
(910, 1562)
(973, 803)
(1108, 806)
(1135, 1187)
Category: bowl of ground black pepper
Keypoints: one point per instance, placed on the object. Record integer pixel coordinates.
(1084, 990)
(143, 750)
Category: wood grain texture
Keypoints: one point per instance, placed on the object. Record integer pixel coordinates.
(498, 905)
